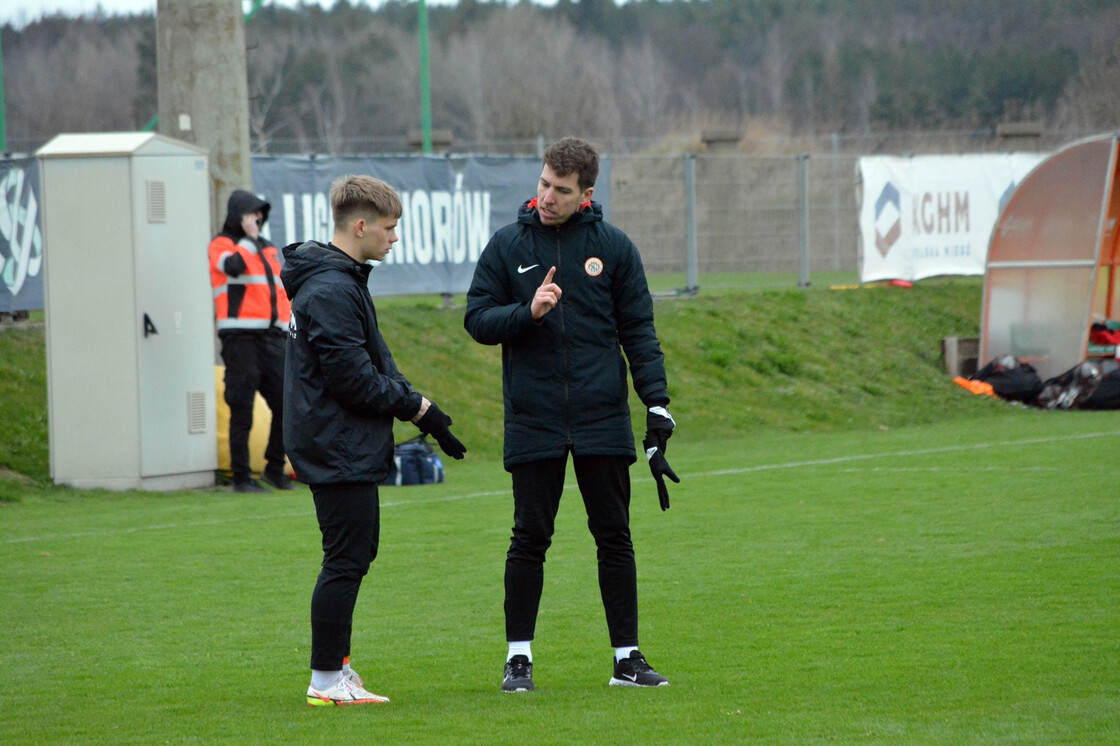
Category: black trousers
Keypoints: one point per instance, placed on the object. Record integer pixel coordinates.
(604, 483)
(254, 362)
(350, 521)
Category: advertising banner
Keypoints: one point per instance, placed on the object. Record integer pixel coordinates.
(452, 205)
(933, 215)
(21, 240)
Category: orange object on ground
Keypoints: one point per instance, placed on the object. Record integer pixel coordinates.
(976, 387)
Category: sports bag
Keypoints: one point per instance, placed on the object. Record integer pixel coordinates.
(1010, 379)
(1107, 393)
(1070, 389)
(415, 462)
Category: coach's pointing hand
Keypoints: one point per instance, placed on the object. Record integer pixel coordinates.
(547, 296)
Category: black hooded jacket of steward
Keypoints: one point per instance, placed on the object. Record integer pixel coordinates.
(564, 380)
(241, 203)
(342, 388)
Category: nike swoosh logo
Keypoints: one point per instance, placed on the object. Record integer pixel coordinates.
(522, 270)
(632, 677)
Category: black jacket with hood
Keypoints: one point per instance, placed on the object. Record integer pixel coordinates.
(564, 376)
(342, 388)
(239, 204)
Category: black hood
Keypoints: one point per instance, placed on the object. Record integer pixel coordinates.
(301, 261)
(241, 202)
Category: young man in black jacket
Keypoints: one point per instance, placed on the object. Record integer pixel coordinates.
(564, 293)
(342, 391)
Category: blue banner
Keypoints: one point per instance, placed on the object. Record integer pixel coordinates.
(452, 205)
(21, 238)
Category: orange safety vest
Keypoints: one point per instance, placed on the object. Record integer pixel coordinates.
(255, 299)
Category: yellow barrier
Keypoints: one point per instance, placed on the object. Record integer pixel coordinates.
(258, 435)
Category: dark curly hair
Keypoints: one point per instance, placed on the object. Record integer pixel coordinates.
(574, 156)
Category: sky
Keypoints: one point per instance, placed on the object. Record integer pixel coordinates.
(22, 12)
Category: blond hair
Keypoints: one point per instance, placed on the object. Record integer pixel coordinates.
(363, 196)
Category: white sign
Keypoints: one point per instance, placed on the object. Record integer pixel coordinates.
(933, 215)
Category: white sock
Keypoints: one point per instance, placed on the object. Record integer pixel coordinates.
(323, 680)
(346, 664)
(522, 647)
(621, 654)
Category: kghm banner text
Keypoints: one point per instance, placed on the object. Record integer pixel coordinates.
(932, 215)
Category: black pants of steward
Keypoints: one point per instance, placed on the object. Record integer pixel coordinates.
(254, 362)
(604, 482)
(349, 519)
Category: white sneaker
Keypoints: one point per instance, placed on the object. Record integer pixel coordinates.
(344, 692)
(353, 676)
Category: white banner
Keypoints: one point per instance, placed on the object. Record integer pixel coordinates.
(933, 215)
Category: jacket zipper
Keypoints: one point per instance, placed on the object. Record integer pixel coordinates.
(564, 353)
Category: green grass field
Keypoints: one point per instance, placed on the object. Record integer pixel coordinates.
(948, 583)
(859, 553)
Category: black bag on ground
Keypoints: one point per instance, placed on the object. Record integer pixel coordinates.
(1071, 389)
(415, 462)
(1106, 395)
(1010, 379)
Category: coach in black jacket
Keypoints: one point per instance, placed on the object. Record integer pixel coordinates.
(565, 294)
(342, 391)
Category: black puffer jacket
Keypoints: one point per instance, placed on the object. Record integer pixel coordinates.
(564, 376)
(342, 388)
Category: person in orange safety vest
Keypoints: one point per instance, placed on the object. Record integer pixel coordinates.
(252, 312)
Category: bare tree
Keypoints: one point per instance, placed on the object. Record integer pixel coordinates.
(83, 81)
(1091, 101)
(346, 79)
(461, 69)
(267, 73)
(645, 87)
(528, 76)
(774, 72)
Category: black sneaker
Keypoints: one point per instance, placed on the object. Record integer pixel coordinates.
(250, 486)
(518, 675)
(277, 479)
(635, 671)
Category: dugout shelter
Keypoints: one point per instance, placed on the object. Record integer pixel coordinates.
(1052, 261)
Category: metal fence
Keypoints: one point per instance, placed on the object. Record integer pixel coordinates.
(725, 210)
(792, 213)
(781, 204)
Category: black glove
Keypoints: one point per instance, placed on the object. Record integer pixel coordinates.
(437, 424)
(659, 428)
(660, 424)
(235, 265)
(660, 468)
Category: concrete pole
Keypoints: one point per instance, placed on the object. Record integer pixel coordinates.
(204, 90)
(692, 279)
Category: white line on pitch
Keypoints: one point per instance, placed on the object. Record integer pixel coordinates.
(492, 493)
(896, 454)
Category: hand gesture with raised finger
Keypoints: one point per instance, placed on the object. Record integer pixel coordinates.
(546, 297)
